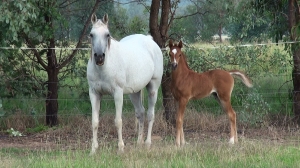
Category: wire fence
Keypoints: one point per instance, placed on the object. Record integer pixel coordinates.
(272, 92)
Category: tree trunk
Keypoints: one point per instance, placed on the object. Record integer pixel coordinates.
(159, 33)
(52, 95)
(169, 102)
(52, 83)
(293, 21)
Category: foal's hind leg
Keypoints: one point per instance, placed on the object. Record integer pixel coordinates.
(232, 118)
(139, 113)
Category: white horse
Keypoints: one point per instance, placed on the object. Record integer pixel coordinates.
(124, 67)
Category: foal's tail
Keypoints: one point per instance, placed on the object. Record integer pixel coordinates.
(246, 80)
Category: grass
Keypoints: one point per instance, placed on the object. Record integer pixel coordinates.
(248, 153)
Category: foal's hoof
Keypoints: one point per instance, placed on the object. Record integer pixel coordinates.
(231, 141)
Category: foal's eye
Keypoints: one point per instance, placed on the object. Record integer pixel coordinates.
(91, 35)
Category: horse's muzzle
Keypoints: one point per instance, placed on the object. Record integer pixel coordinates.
(99, 59)
(174, 66)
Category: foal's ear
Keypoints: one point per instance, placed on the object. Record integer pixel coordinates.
(180, 44)
(171, 43)
(94, 18)
(105, 19)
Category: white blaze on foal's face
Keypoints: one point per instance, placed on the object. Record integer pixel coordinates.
(174, 51)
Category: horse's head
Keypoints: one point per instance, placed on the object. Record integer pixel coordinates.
(175, 53)
(100, 38)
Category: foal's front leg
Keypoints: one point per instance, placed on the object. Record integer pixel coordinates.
(179, 122)
(118, 97)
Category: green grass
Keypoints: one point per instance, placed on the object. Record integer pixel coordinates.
(249, 153)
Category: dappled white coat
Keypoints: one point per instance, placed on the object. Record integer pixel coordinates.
(130, 65)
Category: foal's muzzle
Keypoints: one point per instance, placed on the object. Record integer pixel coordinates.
(99, 59)
(174, 65)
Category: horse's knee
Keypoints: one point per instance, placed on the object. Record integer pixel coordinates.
(151, 116)
(95, 123)
(140, 116)
(118, 123)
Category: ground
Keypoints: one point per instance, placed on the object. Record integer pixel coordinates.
(77, 135)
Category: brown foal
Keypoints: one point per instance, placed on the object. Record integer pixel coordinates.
(187, 84)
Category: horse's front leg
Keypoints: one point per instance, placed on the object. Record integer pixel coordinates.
(118, 97)
(179, 122)
(95, 102)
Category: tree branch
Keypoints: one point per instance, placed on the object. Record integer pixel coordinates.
(71, 56)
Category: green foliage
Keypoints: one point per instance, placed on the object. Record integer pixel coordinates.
(215, 19)
(186, 28)
(254, 108)
(15, 17)
(36, 129)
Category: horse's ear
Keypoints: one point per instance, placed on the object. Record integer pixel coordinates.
(94, 18)
(105, 19)
(171, 43)
(180, 44)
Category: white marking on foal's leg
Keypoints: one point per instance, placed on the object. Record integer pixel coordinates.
(231, 140)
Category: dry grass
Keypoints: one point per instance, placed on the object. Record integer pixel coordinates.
(74, 131)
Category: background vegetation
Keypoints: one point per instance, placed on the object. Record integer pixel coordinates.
(202, 25)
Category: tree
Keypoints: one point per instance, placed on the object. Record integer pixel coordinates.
(159, 29)
(294, 27)
(215, 19)
(159, 32)
(285, 19)
(35, 24)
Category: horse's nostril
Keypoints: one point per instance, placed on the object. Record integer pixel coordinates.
(95, 54)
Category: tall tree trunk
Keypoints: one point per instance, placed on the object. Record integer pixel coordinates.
(159, 33)
(52, 95)
(52, 83)
(294, 19)
(52, 87)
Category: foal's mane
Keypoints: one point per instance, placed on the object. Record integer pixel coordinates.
(185, 59)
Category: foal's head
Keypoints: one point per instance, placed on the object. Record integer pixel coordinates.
(175, 53)
(100, 38)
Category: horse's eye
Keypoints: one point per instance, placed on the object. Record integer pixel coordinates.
(91, 35)
(108, 35)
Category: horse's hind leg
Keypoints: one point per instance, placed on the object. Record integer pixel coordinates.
(139, 113)
(152, 89)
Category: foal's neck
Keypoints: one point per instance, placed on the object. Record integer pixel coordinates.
(182, 68)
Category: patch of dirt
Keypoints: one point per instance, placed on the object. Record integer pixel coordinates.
(77, 134)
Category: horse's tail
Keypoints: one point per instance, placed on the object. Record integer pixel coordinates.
(246, 80)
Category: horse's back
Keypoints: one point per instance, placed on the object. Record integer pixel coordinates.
(144, 51)
(143, 61)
